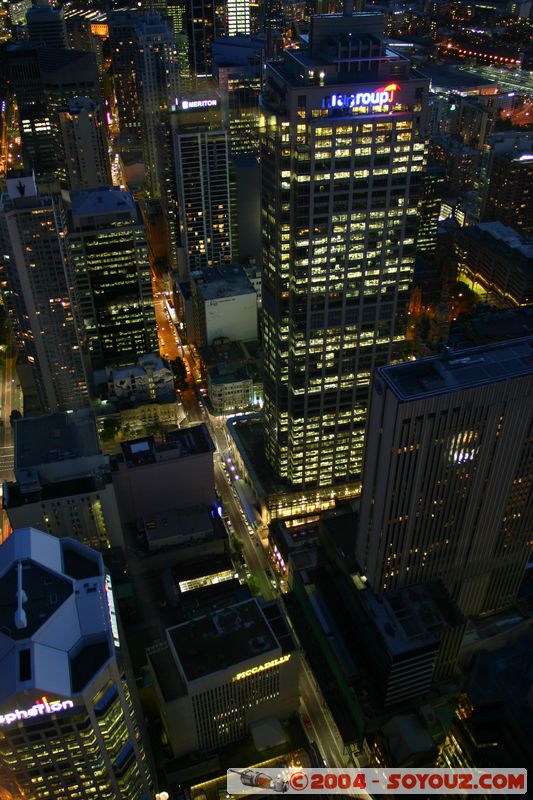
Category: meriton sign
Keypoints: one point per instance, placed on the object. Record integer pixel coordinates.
(38, 709)
(379, 97)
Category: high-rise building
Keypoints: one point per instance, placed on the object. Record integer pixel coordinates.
(46, 25)
(84, 144)
(123, 47)
(509, 193)
(44, 79)
(238, 17)
(342, 158)
(449, 474)
(62, 480)
(157, 81)
(37, 295)
(144, 55)
(201, 168)
(108, 253)
(429, 210)
(205, 21)
(68, 725)
(237, 66)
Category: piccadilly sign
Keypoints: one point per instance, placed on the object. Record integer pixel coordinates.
(267, 665)
(379, 97)
(38, 709)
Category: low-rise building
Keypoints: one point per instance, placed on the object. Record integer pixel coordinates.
(151, 476)
(224, 673)
(232, 374)
(224, 305)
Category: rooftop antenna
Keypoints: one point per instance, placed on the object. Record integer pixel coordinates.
(21, 621)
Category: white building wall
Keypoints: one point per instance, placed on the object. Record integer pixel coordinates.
(232, 317)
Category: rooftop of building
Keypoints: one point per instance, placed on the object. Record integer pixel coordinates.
(102, 200)
(452, 79)
(505, 239)
(29, 488)
(176, 527)
(459, 371)
(61, 626)
(55, 437)
(180, 443)
(504, 677)
(238, 51)
(228, 637)
(488, 324)
(228, 280)
(411, 617)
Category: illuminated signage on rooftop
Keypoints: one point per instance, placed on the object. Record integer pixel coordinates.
(186, 105)
(379, 97)
(276, 662)
(42, 708)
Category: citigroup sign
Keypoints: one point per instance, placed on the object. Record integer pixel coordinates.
(379, 97)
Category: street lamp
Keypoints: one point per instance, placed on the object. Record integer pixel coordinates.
(162, 796)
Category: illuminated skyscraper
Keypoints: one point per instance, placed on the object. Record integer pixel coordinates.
(123, 46)
(37, 295)
(68, 726)
(342, 158)
(157, 80)
(238, 13)
(201, 168)
(43, 80)
(144, 55)
(447, 489)
(108, 255)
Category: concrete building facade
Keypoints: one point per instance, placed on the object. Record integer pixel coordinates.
(447, 487)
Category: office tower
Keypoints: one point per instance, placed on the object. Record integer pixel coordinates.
(238, 17)
(84, 144)
(496, 262)
(44, 79)
(237, 66)
(37, 295)
(429, 210)
(342, 161)
(68, 722)
(144, 56)
(123, 47)
(205, 21)
(46, 25)
(509, 193)
(448, 475)
(201, 168)
(108, 253)
(176, 13)
(157, 80)
(236, 666)
(62, 481)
